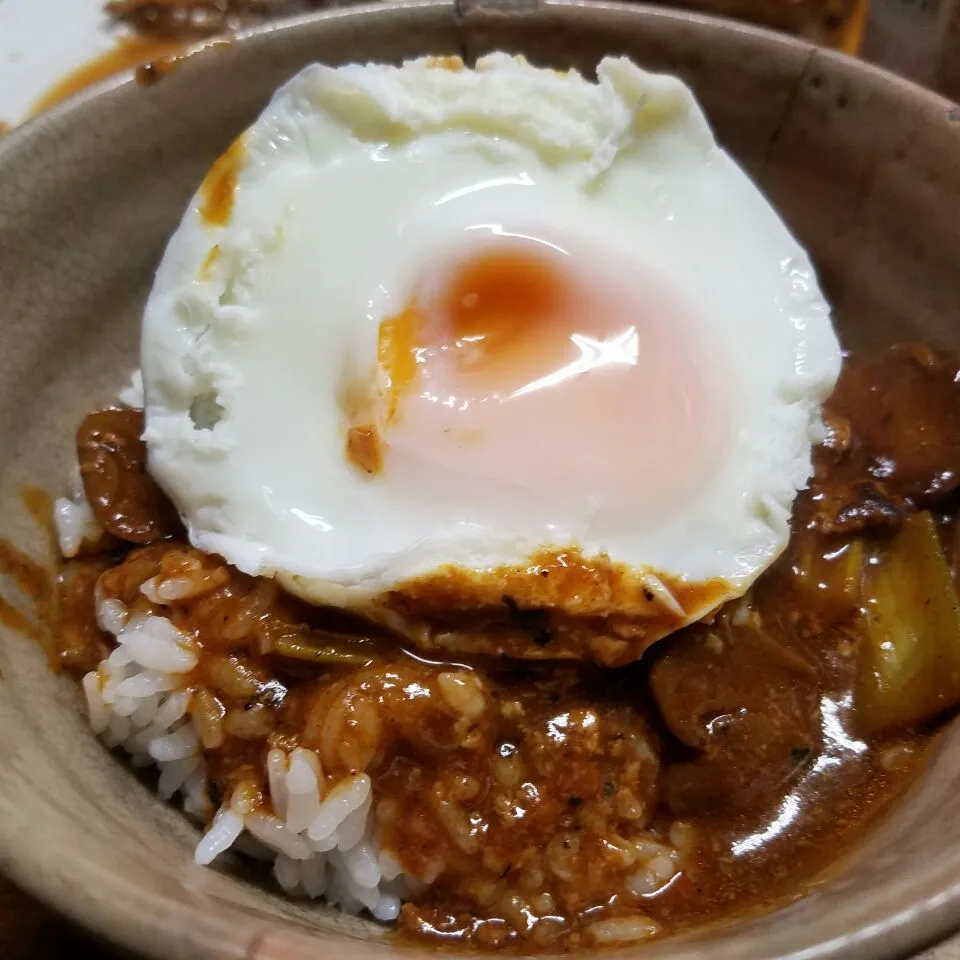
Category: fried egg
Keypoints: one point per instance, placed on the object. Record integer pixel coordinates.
(428, 333)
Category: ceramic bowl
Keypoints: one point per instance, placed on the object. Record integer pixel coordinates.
(864, 167)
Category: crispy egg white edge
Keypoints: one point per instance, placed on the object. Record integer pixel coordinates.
(566, 121)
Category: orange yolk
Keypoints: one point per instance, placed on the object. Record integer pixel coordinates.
(495, 299)
(529, 366)
(488, 312)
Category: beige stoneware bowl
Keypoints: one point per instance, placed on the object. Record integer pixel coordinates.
(864, 167)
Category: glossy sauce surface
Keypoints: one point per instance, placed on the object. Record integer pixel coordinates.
(553, 806)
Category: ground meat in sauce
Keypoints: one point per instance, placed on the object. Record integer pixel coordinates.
(551, 806)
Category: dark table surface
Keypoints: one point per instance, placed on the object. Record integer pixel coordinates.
(29, 931)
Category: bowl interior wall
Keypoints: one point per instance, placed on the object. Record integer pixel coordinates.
(865, 169)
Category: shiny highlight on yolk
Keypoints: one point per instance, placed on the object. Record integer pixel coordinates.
(526, 364)
(491, 304)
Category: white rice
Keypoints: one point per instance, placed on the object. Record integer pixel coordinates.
(74, 519)
(318, 836)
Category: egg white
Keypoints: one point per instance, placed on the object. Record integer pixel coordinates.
(351, 182)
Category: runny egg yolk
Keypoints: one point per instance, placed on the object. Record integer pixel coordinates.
(530, 366)
(497, 301)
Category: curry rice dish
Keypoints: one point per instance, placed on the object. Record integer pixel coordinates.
(468, 756)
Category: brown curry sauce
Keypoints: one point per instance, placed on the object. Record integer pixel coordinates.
(750, 718)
